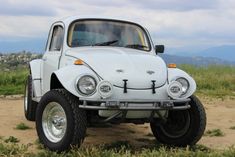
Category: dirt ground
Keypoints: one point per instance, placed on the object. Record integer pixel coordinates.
(220, 115)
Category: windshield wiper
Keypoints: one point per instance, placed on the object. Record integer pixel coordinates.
(105, 43)
(136, 46)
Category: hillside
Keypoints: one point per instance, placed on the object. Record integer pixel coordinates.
(198, 61)
(16, 60)
(13, 71)
(225, 52)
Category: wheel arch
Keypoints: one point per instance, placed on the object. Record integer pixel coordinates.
(55, 82)
(35, 68)
(67, 77)
(35, 72)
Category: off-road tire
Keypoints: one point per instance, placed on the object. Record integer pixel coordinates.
(76, 120)
(193, 132)
(30, 110)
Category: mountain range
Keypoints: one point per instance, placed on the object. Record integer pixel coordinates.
(224, 54)
(198, 61)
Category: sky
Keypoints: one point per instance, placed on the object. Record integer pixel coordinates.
(178, 24)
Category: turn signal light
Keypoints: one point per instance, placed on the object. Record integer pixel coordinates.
(172, 65)
(78, 62)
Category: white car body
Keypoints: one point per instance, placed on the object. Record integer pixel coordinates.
(112, 64)
(97, 71)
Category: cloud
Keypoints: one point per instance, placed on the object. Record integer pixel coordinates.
(177, 5)
(172, 5)
(171, 22)
(26, 7)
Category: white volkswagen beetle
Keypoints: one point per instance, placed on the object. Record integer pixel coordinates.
(108, 71)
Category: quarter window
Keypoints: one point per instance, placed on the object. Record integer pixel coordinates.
(56, 39)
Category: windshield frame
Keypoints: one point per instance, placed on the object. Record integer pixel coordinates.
(112, 20)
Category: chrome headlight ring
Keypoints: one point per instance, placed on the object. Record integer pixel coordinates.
(185, 84)
(86, 84)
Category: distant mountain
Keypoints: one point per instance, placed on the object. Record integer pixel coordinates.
(221, 55)
(13, 60)
(195, 54)
(225, 52)
(198, 61)
(34, 45)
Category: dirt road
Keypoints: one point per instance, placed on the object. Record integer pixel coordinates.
(220, 115)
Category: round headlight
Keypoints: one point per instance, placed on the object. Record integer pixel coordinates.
(184, 83)
(86, 84)
(174, 89)
(105, 89)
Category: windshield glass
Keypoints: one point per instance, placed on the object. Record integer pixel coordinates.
(107, 33)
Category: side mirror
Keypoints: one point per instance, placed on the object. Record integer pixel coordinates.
(159, 49)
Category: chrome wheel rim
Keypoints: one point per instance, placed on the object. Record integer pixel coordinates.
(26, 98)
(54, 122)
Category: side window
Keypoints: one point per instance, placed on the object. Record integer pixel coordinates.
(56, 39)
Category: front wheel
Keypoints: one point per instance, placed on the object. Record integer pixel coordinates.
(60, 123)
(182, 128)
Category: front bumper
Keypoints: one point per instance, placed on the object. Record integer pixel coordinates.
(135, 105)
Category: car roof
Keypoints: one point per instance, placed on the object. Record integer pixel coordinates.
(70, 19)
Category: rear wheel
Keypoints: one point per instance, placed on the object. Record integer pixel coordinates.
(30, 106)
(60, 123)
(182, 128)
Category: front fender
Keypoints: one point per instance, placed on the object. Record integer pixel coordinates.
(174, 73)
(68, 77)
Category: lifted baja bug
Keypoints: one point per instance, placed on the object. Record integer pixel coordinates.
(108, 71)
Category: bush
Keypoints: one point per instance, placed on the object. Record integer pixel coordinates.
(214, 132)
(214, 80)
(12, 139)
(12, 82)
(119, 149)
(22, 126)
(232, 128)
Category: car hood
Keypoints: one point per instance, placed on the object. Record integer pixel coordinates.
(140, 68)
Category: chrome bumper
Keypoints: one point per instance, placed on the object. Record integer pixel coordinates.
(129, 104)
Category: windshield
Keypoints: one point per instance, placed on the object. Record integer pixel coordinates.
(107, 33)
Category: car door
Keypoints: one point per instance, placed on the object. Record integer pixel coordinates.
(51, 58)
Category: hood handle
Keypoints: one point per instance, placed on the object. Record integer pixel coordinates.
(125, 86)
(153, 86)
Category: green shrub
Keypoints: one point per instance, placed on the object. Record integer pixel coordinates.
(161, 152)
(214, 132)
(12, 139)
(13, 149)
(215, 80)
(39, 144)
(232, 128)
(22, 126)
(12, 82)
(117, 145)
